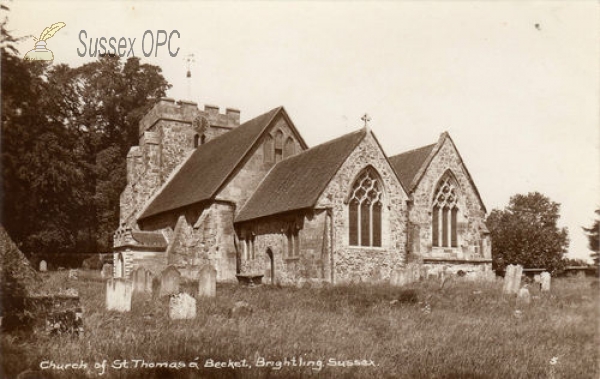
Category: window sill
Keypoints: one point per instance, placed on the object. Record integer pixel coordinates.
(456, 260)
(291, 259)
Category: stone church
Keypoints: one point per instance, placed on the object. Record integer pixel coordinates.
(254, 199)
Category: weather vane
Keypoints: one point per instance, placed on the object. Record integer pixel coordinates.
(189, 61)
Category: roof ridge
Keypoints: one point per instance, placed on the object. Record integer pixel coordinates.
(362, 130)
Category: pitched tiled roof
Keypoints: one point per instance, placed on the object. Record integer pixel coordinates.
(407, 164)
(150, 239)
(297, 182)
(208, 167)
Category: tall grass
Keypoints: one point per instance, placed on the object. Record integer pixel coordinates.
(463, 330)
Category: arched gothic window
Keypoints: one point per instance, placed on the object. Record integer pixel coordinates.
(268, 149)
(293, 242)
(445, 213)
(365, 209)
(249, 248)
(278, 146)
(288, 149)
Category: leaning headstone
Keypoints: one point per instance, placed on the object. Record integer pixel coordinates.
(182, 307)
(169, 281)
(512, 279)
(118, 295)
(43, 266)
(207, 281)
(107, 271)
(142, 280)
(509, 273)
(545, 281)
(523, 297)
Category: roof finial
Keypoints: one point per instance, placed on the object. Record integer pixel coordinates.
(366, 118)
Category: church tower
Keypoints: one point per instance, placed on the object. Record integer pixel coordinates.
(168, 134)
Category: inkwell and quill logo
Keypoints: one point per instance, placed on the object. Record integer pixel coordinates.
(41, 53)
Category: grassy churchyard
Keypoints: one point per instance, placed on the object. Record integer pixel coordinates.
(458, 330)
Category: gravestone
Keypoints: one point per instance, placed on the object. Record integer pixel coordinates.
(118, 295)
(509, 272)
(107, 271)
(142, 280)
(517, 278)
(207, 281)
(537, 278)
(169, 281)
(545, 281)
(182, 307)
(512, 279)
(523, 297)
(73, 274)
(43, 266)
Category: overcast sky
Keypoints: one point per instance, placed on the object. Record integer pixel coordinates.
(516, 84)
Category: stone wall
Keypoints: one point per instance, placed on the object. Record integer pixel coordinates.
(271, 234)
(469, 269)
(371, 264)
(201, 235)
(150, 260)
(146, 173)
(473, 242)
(177, 141)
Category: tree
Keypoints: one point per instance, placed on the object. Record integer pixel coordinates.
(116, 97)
(594, 239)
(65, 137)
(525, 233)
(40, 180)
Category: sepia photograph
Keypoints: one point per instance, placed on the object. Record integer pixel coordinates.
(299, 189)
